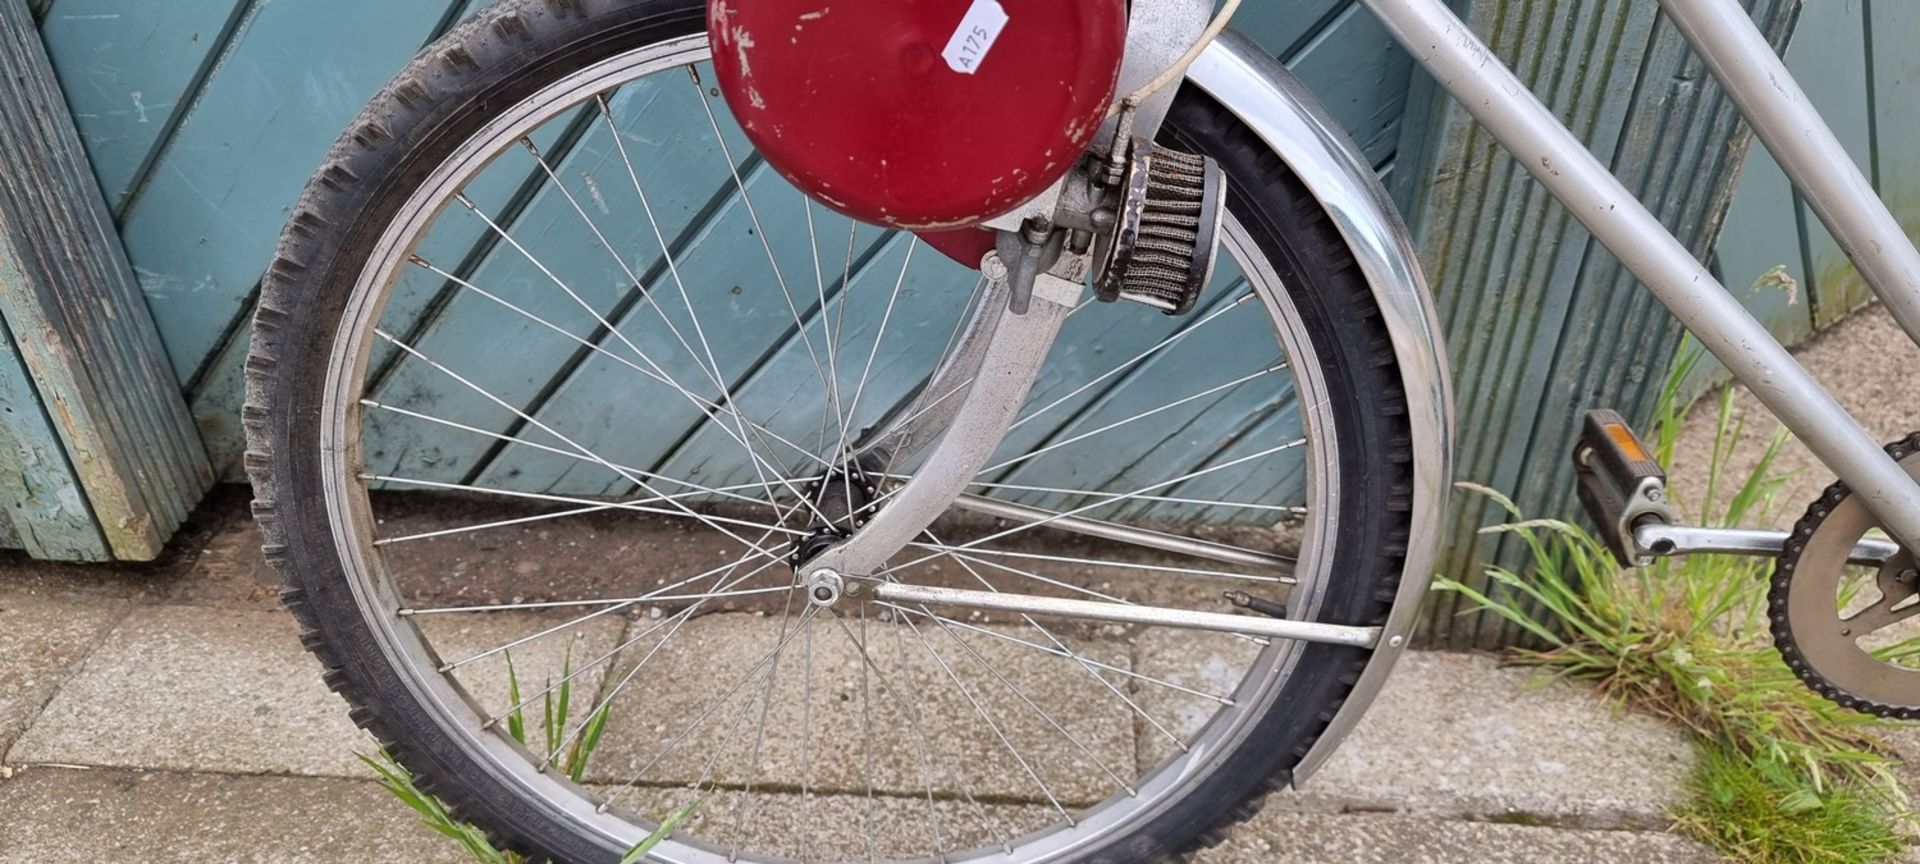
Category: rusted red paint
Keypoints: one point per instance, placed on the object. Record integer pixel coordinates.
(921, 114)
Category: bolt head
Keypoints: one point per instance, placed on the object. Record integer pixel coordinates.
(993, 268)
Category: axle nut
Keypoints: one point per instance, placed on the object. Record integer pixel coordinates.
(824, 587)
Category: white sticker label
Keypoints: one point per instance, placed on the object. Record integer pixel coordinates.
(970, 43)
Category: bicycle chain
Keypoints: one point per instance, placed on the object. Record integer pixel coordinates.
(1783, 577)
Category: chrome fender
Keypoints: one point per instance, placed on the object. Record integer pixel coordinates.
(1273, 103)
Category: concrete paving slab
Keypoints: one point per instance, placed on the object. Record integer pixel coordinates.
(230, 689)
(923, 728)
(41, 641)
(1459, 735)
(837, 827)
(1181, 667)
(1283, 837)
(59, 816)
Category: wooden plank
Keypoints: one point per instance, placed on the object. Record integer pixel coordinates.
(1830, 59)
(1284, 28)
(217, 398)
(1497, 247)
(200, 231)
(129, 71)
(742, 314)
(786, 395)
(46, 511)
(79, 322)
(1544, 322)
(1126, 448)
(515, 358)
(1895, 28)
(1760, 260)
(1362, 74)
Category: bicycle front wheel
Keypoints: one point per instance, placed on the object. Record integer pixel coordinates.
(547, 379)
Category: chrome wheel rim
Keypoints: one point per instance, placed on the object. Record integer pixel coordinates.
(454, 709)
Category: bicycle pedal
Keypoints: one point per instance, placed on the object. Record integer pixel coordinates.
(1620, 483)
(1162, 249)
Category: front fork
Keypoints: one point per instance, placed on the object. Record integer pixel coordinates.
(975, 397)
(1036, 277)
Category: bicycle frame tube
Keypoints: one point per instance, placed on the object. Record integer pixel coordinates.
(1806, 149)
(1503, 104)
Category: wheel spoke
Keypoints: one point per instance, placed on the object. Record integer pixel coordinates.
(760, 735)
(712, 366)
(1217, 388)
(1136, 360)
(656, 373)
(926, 744)
(985, 717)
(614, 606)
(671, 620)
(1038, 711)
(753, 216)
(908, 706)
(1283, 509)
(713, 522)
(630, 477)
(650, 597)
(1121, 565)
(1065, 653)
(866, 371)
(1060, 649)
(1198, 472)
(712, 705)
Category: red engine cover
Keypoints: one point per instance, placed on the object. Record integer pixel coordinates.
(922, 114)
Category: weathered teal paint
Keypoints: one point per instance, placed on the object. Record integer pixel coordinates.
(46, 512)
(200, 230)
(1894, 26)
(255, 92)
(1841, 79)
(103, 462)
(1543, 322)
(1855, 60)
(130, 71)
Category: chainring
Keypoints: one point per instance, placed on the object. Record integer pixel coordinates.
(1803, 604)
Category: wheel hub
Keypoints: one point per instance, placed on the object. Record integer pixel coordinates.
(835, 506)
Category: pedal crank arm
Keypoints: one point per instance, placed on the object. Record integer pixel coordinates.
(1664, 541)
(1015, 350)
(913, 596)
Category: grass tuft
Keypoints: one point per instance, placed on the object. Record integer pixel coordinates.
(1763, 811)
(556, 708)
(1785, 775)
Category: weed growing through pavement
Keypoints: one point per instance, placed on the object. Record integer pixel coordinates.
(556, 710)
(1783, 775)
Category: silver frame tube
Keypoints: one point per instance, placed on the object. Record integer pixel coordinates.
(1503, 104)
